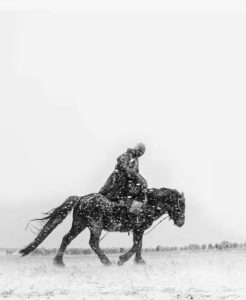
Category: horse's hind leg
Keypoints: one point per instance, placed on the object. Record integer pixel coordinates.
(94, 243)
(76, 228)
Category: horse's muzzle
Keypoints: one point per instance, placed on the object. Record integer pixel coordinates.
(180, 222)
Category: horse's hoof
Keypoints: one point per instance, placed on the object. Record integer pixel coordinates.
(106, 263)
(120, 262)
(58, 263)
(140, 262)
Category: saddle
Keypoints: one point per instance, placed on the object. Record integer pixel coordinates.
(133, 205)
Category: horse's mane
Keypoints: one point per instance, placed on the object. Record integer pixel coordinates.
(154, 192)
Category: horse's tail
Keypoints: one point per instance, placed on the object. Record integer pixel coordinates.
(52, 219)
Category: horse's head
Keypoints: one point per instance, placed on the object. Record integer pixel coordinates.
(172, 202)
(176, 208)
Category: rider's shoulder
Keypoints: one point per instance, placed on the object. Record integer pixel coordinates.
(127, 159)
(122, 157)
(130, 152)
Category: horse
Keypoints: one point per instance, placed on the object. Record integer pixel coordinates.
(97, 213)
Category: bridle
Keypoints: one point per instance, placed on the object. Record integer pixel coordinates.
(173, 210)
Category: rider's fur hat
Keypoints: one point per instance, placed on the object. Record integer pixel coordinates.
(140, 149)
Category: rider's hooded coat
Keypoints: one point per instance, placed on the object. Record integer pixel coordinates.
(125, 181)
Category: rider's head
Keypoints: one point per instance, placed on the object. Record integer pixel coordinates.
(139, 149)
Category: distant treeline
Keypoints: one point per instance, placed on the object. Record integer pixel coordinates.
(196, 247)
(224, 245)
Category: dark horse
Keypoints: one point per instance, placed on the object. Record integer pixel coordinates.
(98, 213)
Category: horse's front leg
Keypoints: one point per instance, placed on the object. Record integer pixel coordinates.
(138, 255)
(137, 244)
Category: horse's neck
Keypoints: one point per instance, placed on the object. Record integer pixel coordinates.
(153, 212)
(153, 198)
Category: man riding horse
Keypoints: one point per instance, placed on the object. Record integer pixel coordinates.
(125, 183)
(97, 211)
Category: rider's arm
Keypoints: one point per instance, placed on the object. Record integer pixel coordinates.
(142, 181)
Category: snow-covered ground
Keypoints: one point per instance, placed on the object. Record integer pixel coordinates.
(167, 275)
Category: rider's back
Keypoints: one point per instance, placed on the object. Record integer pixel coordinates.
(125, 181)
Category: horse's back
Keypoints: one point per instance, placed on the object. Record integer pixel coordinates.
(92, 200)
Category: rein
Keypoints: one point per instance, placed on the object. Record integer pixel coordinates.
(156, 225)
(104, 236)
(144, 233)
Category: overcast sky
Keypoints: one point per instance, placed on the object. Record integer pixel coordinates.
(80, 84)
